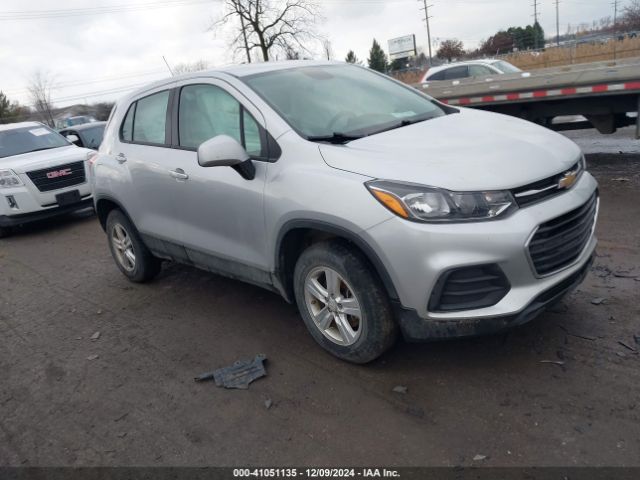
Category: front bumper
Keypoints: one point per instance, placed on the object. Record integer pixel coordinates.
(416, 255)
(15, 220)
(415, 328)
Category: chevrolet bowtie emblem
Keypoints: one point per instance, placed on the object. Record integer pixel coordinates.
(568, 180)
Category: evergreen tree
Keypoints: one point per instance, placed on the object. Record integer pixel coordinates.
(351, 58)
(377, 58)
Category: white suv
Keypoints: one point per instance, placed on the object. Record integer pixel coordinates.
(42, 174)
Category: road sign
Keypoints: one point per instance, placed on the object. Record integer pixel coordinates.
(402, 47)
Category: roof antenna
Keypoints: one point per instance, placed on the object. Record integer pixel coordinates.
(167, 64)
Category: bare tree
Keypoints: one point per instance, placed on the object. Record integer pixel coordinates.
(196, 66)
(271, 26)
(631, 15)
(40, 95)
(450, 49)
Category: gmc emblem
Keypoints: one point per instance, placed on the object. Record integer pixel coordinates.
(59, 173)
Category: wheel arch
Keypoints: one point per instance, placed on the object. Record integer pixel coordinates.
(296, 235)
(104, 206)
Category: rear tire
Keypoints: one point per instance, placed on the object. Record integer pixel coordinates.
(5, 232)
(131, 255)
(343, 303)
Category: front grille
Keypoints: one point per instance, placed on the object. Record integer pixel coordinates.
(559, 242)
(543, 189)
(469, 288)
(60, 176)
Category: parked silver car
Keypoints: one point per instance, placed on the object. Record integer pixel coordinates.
(374, 207)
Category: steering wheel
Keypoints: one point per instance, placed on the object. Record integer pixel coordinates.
(343, 116)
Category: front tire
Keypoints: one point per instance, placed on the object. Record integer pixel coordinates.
(131, 255)
(343, 302)
(5, 232)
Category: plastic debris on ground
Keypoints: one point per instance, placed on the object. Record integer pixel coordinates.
(239, 375)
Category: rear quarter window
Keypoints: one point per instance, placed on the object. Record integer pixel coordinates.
(126, 131)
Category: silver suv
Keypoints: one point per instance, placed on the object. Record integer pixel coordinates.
(372, 206)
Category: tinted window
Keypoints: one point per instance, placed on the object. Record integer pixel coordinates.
(207, 111)
(151, 119)
(456, 73)
(479, 71)
(92, 137)
(438, 76)
(126, 131)
(29, 139)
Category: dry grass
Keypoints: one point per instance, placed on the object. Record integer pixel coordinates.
(557, 57)
(409, 77)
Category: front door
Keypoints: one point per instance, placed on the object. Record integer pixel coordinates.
(221, 213)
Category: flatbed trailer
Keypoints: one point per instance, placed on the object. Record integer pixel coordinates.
(606, 94)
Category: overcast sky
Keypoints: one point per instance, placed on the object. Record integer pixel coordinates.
(98, 56)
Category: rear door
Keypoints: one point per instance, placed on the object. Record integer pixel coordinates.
(144, 152)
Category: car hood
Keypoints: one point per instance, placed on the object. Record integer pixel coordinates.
(44, 159)
(470, 150)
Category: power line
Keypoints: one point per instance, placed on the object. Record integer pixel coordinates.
(74, 12)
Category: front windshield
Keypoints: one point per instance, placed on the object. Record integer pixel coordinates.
(320, 101)
(505, 67)
(29, 139)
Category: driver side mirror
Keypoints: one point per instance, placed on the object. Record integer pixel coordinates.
(73, 139)
(225, 151)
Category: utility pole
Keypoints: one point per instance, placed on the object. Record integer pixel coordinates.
(426, 19)
(535, 6)
(558, 22)
(615, 29)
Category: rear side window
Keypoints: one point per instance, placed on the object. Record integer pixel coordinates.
(126, 131)
(207, 111)
(456, 73)
(438, 76)
(150, 119)
(479, 71)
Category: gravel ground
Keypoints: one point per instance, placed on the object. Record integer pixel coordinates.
(128, 397)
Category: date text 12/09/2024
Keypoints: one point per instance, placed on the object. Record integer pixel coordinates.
(315, 473)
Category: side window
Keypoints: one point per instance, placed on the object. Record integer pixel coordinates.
(151, 118)
(207, 111)
(479, 71)
(126, 131)
(252, 142)
(457, 72)
(438, 76)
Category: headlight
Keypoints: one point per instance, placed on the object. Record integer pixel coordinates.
(9, 179)
(428, 204)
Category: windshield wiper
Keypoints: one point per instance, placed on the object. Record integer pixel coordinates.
(403, 123)
(335, 137)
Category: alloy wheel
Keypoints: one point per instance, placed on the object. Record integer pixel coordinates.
(333, 306)
(123, 247)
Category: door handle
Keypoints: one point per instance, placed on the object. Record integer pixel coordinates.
(121, 158)
(179, 174)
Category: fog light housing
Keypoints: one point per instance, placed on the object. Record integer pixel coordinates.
(469, 288)
(12, 201)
